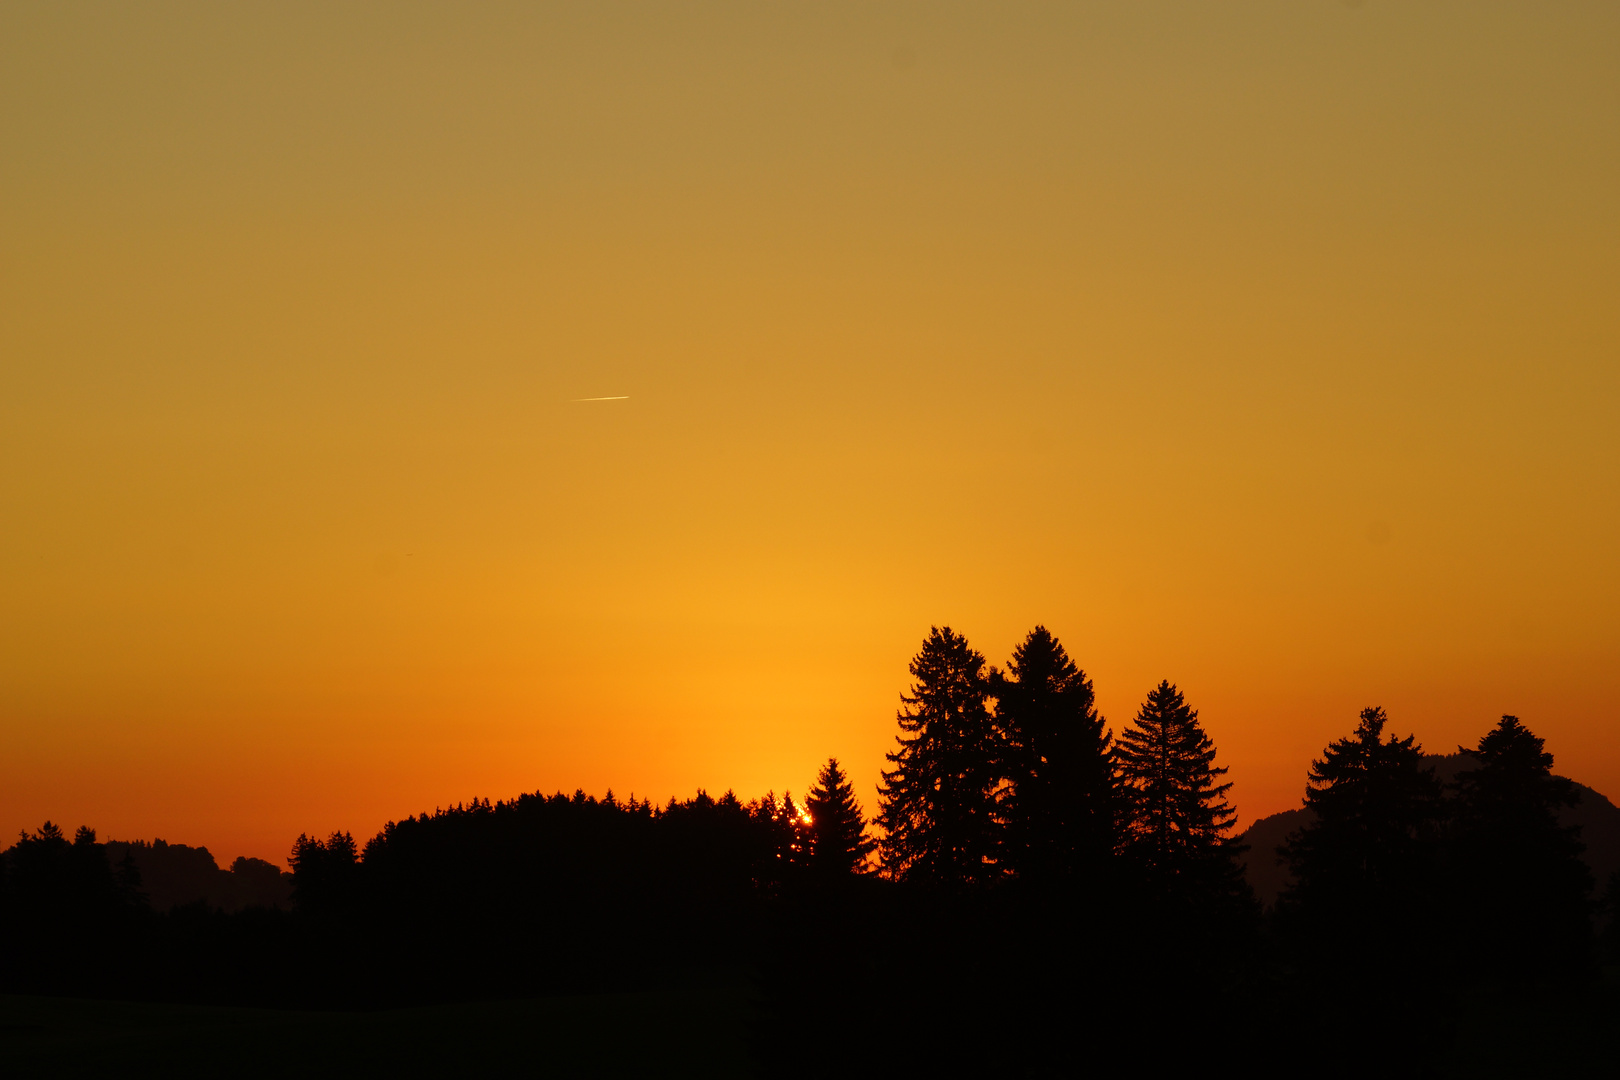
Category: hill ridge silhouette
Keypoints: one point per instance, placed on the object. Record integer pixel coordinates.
(1596, 814)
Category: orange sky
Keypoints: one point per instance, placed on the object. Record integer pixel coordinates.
(1269, 348)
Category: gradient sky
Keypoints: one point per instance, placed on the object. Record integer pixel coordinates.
(1273, 349)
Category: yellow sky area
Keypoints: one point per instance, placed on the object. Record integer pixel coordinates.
(1269, 349)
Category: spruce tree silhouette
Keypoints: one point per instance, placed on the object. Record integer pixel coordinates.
(1520, 888)
(1060, 801)
(839, 845)
(1366, 868)
(325, 874)
(789, 832)
(1178, 816)
(937, 805)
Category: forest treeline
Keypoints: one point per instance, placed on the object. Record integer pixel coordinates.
(1031, 879)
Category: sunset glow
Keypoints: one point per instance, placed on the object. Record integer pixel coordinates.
(1271, 349)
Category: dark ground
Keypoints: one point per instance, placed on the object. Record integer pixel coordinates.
(1566, 1034)
(671, 1033)
(694, 1032)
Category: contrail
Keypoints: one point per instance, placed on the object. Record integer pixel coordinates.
(615, 397)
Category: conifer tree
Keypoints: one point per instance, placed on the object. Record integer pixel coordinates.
(839, 845)
(1521, 887)
(784, 824)
(1178, 813)
(1365, 867)
(324, 873)
(937, 805)
(1058, 805)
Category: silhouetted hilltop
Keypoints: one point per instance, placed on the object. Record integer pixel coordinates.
(173, 875)
(1598, 818)
(1267, 875)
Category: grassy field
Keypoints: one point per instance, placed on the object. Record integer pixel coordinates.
(692, 1033)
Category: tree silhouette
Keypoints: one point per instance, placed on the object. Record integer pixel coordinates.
(790, 839)
(1520, 885)
(937, 805)
(69, 917)
(1178, 816)
(324, 873)
(1059, 804)
(1366, 868)
(839, 845)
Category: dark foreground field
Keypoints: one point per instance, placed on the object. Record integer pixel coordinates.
(1564, 1034)
(693, 1033)
(697, 1032)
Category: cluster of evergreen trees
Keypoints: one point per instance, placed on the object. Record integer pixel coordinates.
(1034, 877)
(1049, 869)
(717, 846)
(1008, 787)
(1012, 778)
(1394, 864)
(1013, 775)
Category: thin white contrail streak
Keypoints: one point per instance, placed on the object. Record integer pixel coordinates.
(616, 397)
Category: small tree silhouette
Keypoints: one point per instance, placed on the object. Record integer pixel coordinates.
(789, 835)
(1178, 816)
(838, 842)
(324, 873)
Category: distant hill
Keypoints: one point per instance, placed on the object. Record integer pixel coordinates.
(176, 874)
(1598, 818)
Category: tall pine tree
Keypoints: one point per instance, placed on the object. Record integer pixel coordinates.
(839, 845)
(1365, 866)
(1058, 806)
(937, 805)
(1520, 889)
(1179, 816)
